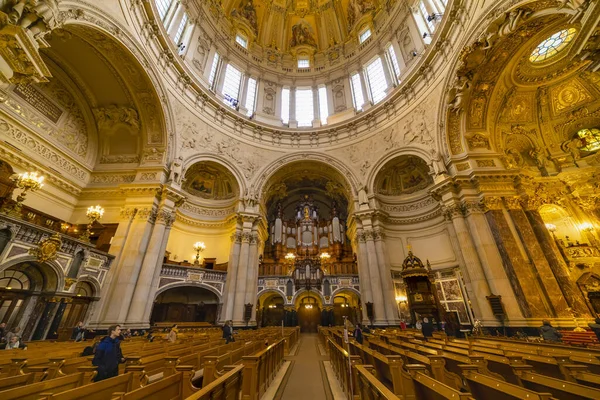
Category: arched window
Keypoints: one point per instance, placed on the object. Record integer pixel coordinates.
(289, 288)
(590, 139)
(14, 280)
(552, 46)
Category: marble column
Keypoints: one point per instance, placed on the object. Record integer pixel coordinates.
(556, 262)
(380, 316)
(389, 296)
(489, 256)
(229, 291)
(475, 277)
(363, 85)
(144, 293)
(252, 279)
(132, 243)
(549, 285)
(366, 294)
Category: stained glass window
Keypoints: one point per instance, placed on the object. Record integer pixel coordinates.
(590, 139)
(553, 45)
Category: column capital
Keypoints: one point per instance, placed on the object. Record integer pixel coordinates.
(491, 203)
(166, 217)
(513, 202)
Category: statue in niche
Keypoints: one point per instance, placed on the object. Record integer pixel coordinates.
(175, 172)
(302, 34)
(362, 196)
(436, 164)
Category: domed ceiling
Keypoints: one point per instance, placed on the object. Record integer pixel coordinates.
(290, 25)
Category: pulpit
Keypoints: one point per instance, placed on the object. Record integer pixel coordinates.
(420, 289)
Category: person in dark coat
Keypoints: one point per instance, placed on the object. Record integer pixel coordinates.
(427, 328)
(2, 329)
(596, 328)
(549, 333)
(108, 355)
(227, 332)
(358, 334)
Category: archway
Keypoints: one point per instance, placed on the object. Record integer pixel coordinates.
(271, 309)
(308, 307)
(27, 298)
(185, 304)
(346, 304)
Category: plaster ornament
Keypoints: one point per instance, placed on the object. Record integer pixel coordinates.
(38, 16)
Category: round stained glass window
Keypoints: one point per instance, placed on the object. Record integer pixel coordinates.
(552, 46)
(590, 139)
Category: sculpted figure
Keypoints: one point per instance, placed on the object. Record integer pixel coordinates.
(36, 15)
(436, 163)
(457, 93)
(512, 21)
(176, 170)
(362, 196)
(573, 148)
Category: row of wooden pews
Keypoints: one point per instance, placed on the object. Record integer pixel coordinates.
(400, 364)
(199, 366)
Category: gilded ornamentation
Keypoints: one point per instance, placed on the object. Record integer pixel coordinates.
(463, 166)
(492, 203)
(569, 95)
(454, 133)
(68, 283)
(477, 112)
(478, 141)
(513, 203)
(485, 163)
(47, 249)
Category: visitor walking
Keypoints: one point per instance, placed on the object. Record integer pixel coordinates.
(227, 333)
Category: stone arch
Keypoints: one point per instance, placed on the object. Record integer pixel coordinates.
(99, 21)
(189, 284)
(426, 156)
(43, 268)
(274, 291)
(92, 281)
(301, 294)
(225, 163)
(345, 289)
(267, 173)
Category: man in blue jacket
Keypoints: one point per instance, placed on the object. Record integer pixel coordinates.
(108, 355)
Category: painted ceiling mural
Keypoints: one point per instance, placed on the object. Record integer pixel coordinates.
(284, 25)
(210, 180)
(403, 175)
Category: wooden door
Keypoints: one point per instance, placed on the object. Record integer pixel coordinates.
(309, 319)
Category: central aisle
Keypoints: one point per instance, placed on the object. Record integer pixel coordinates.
(307, 379)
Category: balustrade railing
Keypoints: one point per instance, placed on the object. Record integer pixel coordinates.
(32, 234)
(179, 271)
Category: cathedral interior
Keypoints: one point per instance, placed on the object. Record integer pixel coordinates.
(303, 165)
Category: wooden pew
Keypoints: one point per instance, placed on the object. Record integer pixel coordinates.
(260, 370)
(100, 390)
(487, 387)
(559, 388)
(16, 381)
(35, 390)
(428, 388)
(368, 387)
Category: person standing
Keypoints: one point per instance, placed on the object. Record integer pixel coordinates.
(427, 328)
(172, 336)
(227, 332)
(2, 331)
(358, 335)
(108, 355)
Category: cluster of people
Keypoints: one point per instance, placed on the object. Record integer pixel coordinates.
(12, 339)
